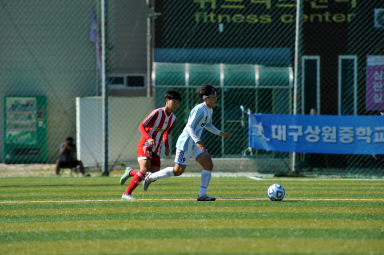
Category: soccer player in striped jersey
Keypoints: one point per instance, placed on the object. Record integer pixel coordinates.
(190, 144)
(154, 128)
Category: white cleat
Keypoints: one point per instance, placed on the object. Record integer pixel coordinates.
(126, 175)
(127, 197)
(147, 181)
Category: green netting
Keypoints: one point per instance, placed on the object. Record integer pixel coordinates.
(169, 74)
(240, 75)
(248, 49)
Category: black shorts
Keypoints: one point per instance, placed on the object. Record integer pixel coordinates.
(69, 164)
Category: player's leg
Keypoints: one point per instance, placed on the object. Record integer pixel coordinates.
(177, 170)
(155, 164)
(181, 161)
(129, 172)
(145, 165)
(145, 161)
(205, 161)
(154, 168)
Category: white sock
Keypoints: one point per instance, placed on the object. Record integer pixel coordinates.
(205, 178)
(163, 173)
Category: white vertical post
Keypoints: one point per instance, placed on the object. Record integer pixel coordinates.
(186, 68)
(355, 86)
(257, 75)
(153, 75)
(150, 17)
(222, 105)
(104, 92)
(296, 71)
(78, 128)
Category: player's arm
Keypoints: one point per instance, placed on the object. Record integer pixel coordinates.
(193, 121)
(148, 122)
(191, 126)
(225, 134)
(211, 128)
(165, 139)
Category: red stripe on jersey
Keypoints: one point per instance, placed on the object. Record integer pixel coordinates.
(157, 123)
(164, 123)
(158, 130)
(150, 117)
(169, 129)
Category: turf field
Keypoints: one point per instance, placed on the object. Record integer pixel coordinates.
(86, 216)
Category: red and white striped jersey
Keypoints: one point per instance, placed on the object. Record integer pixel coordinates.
(157, 125)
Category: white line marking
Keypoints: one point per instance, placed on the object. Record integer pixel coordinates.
(191, 199)
(254, 178)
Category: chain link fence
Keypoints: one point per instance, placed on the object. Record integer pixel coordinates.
(253, 51)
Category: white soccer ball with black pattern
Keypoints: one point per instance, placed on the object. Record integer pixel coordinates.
(276, 192)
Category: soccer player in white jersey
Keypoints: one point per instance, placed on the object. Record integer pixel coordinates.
(190, 144)
(155, 127)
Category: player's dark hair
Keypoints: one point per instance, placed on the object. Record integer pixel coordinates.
(207, 90)
(172, 95)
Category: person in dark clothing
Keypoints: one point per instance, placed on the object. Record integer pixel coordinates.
(67, 157)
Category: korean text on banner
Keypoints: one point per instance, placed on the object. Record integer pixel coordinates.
(317, 133)
(375, 83)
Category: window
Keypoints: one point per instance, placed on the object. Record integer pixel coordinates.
(126, 81)
(135, 81)
(116, 80)
(310, 84)
(347, 85)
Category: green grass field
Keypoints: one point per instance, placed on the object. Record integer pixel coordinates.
(86, 216)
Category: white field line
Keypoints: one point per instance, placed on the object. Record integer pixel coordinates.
(303, 179)
(189, 199)
(254, 178)
(267, 177)
(324, 178)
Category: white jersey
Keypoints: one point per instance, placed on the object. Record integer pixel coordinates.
(199, 118)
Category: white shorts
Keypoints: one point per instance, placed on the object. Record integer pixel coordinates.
(182, 157)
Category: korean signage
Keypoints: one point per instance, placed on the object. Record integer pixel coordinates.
(243, 23)
(379, 18)
(374, 100)
(213, 11)
(21, 120)
(317, 133)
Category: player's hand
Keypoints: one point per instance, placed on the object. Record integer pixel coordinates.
(167, 150)
(151, 142)
(201, 146)
(226, 134)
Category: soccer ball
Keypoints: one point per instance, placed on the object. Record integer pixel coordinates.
(276, 192)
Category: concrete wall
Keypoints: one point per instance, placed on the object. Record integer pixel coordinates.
(45, 51)
(125, 115)
(127, 41)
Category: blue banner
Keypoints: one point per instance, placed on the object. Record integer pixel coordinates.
(328, 134)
